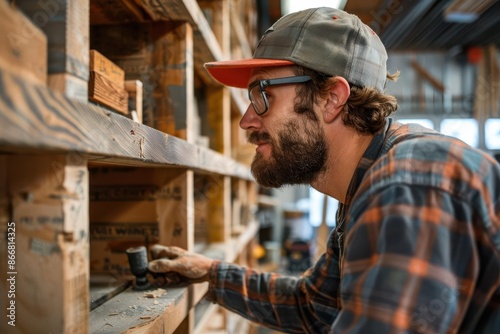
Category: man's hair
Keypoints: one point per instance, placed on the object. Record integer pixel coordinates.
(366, 108)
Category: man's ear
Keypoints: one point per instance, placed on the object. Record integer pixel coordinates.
(338, 95)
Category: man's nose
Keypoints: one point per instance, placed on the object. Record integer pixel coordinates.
(250, 119)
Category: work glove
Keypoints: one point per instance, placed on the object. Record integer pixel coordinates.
(174, 265)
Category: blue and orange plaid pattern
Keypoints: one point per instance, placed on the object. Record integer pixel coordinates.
(416, 248)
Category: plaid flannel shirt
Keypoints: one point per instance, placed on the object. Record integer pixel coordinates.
(416, 248)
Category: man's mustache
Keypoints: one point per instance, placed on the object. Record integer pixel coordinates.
(259, 137)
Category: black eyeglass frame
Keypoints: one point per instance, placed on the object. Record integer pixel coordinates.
(263, 84)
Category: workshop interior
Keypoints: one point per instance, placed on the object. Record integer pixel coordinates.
(114, 137)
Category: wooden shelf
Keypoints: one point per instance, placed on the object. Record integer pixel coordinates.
(83, 183)
(131, 312)
(37, 120)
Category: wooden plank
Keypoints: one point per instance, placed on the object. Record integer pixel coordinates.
(36, 119)
(184, 112)
(212, 36)
(130, 312)
(219, 209)
(23, 46)
(487, 89)
(218, 103)
(171, 10)
(98, 63)
(134, 90)
(107, 93)
(50, 216)
(206, 49)
(66, 24)
(240, 37)
(69, 85)
(494, 74)
(251, 19)
(217, 14)
(107, 83)
(115, 11)
(239, 206)
(253, 196)
(103, 287)
(218, 100)
(200, 211)
(175, 211)
(206, 46)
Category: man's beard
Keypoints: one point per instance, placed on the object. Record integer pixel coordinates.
(297, 157)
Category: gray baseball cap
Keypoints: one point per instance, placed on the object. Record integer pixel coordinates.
(326, 40)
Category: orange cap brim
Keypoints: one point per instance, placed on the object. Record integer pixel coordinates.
(236, 73)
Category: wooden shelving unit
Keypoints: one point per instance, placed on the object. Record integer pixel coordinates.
(82, 183)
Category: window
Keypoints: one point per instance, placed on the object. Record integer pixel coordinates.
(465, 129)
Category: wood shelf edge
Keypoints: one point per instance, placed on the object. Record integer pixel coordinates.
(36, 119)
(131, 312)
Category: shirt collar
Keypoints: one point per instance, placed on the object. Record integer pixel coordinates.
(368, 159)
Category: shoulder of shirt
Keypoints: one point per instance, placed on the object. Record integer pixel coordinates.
(414, 155)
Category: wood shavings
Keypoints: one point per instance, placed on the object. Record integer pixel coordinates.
(155, 302)
(111, 314)
(155, 293)
(146, 317)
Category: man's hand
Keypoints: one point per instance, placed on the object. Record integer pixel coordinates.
(179, 265)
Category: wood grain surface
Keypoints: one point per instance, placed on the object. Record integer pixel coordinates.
(35, 119)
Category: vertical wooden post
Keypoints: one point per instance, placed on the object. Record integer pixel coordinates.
(218, 98)
(487, 86)
(239, 206)
(219, 208)
(175, 209)
(218, 102)
(49, 200)
(173, 61)
(219, 106)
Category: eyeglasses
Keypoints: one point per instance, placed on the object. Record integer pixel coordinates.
(257, 90)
